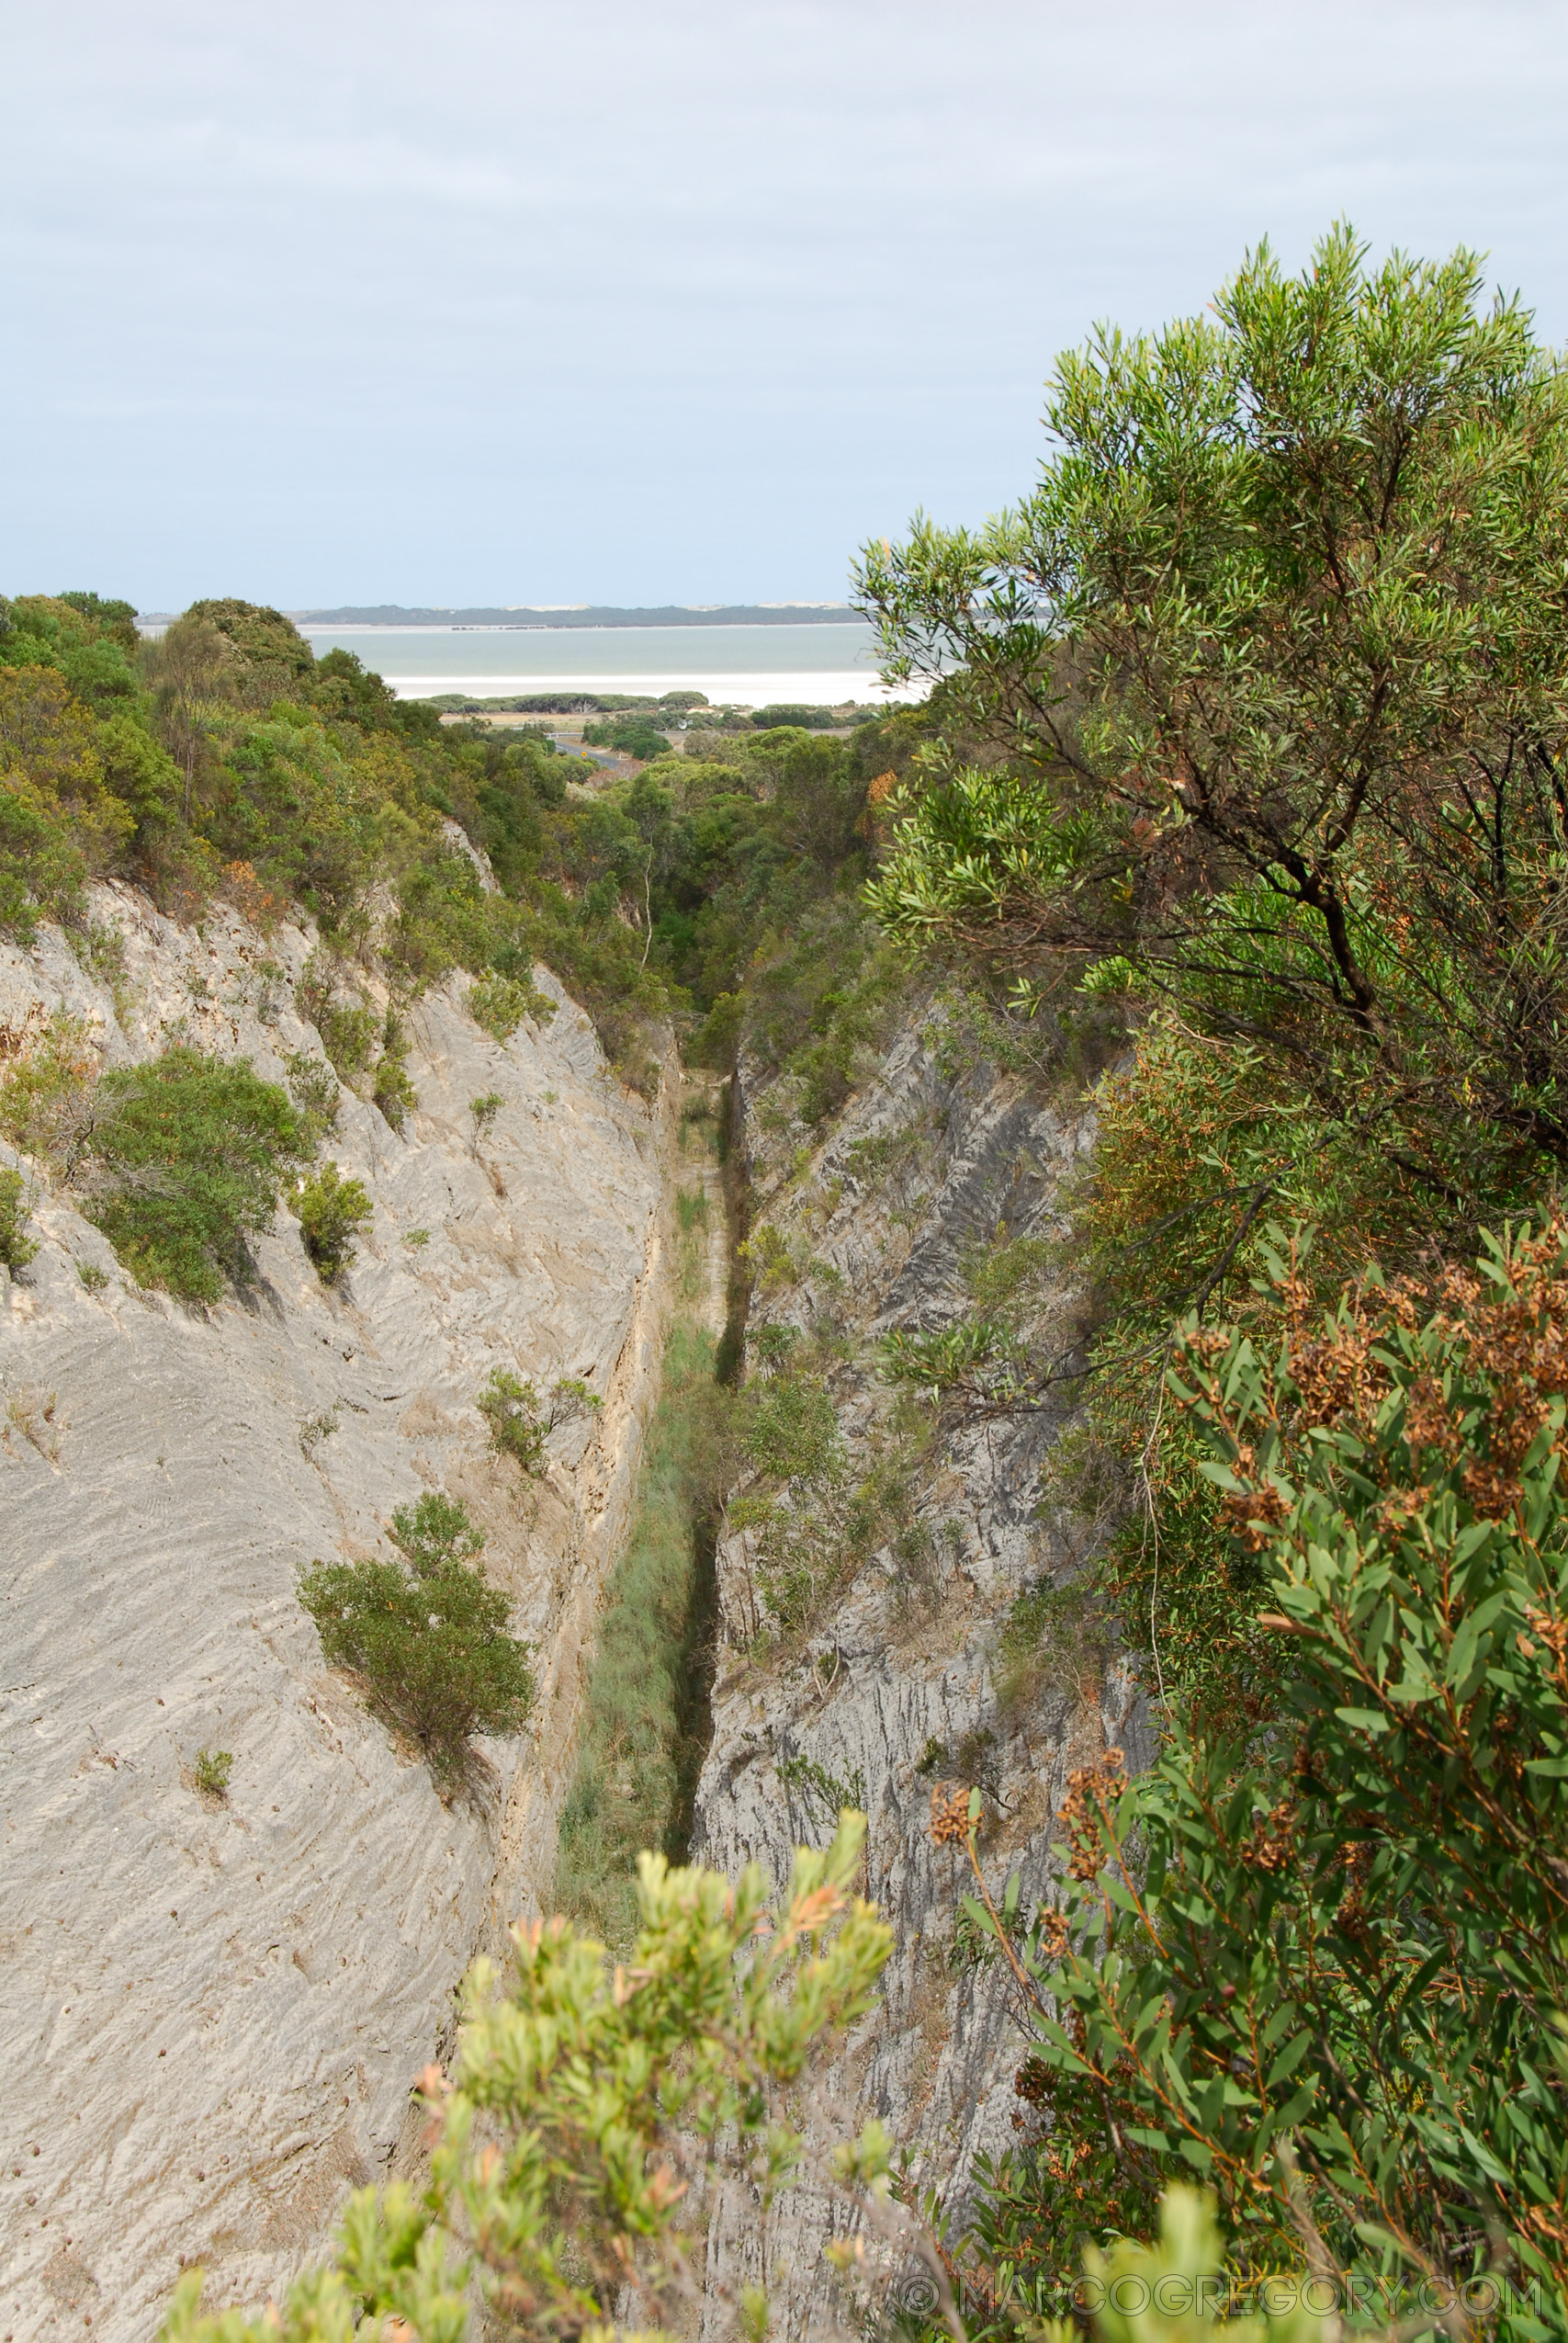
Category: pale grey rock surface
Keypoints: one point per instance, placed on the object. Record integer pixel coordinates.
(211, 2013)
(885, 1674)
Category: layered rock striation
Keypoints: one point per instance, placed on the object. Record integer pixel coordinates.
(213, 2010)
(893, 1688)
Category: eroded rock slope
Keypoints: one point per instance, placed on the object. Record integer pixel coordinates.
(211, 2013)
(894, 1688)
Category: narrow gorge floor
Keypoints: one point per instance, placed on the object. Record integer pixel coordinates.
(647, 1722)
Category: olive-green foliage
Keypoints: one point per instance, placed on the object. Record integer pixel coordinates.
(500, 1003)
(315, 1090)
(428, 1635)
(800, 715)
(511, 1408)
(823, 1794)
(16, 1248)
(211, 1770)
(184, 1158)
(59, 824)
(262, 637)
(1053, 1634)
(434, 1530)
(1179, 2291)
(1270, 702)
(348, 1035)
(43, 1095)
(822, 1004)
(643, 1735)
(348, 1027)
(226, 757)
(633, 735)
(1283, 697)
(331, 1212)
(484, 1109)
(577, 2094)
(1265, 696)
(392, 1090)
(792, 1430)
(1345, 1936)
(807, 1522)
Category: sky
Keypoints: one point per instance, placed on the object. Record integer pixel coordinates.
(640, 301)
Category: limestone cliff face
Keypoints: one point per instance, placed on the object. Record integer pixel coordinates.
(211, 2013)
(895, 1686)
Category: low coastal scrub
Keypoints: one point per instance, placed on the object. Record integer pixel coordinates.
(226, 762)
(427, 1636)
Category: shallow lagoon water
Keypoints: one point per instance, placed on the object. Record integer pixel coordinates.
(744, 666)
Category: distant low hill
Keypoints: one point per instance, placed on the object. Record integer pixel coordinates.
(670, 614)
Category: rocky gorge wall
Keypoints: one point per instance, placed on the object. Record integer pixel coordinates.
(893, 1687)
(212, 2011)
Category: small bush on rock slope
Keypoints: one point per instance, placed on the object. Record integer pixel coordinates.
(331, 1212)
(427, 1635)
(183, 1159)
(16, 1248)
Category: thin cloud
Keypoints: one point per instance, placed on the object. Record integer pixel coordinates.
(514, 301)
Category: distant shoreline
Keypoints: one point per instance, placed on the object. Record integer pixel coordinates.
(479, 627)
(545, 618)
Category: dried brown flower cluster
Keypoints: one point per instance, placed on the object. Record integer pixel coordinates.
(1051, 1931)
(1090, 1789)
(950, 1815)
(1513, 1345)
(1352, 1911)
(1553, 1634)
(1273, 1837)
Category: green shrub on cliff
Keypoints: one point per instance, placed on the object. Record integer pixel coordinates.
(517, 1427)
(16, 1248)
(427, 1635)
(183, 1159)
(331, 1211)
(392, 1090)
(500, 1003)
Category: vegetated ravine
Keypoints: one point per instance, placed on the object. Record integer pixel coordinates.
(1132, 1490)
(647, 1720)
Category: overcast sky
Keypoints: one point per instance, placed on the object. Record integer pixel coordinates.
(637, 301)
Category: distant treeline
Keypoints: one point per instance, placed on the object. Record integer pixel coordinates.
(690, 707)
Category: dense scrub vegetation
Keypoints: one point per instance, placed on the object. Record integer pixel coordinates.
(183, 1159)
(226, 762)
(1252, 789)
